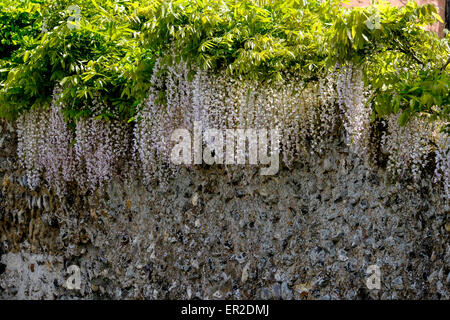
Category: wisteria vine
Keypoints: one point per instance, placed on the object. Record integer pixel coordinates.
(308, 114)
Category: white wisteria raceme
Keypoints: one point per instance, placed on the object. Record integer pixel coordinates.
(307, 114)
(44, 146)
(408, 147)
(442, 170)
(57, 151)
(94, 152)
(156, 122)
(353, 103)
(29, 142)
(48, 149)
(102, 147)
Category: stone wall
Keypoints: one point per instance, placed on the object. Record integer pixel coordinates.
(309, 232)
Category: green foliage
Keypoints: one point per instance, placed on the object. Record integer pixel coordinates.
(253, 39)
(405, 65)
(19, 26)
(101, 58)
(111, 55)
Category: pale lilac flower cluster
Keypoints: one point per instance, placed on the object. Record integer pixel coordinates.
(102, 150)
(408, 147)
(159, 116)
(94, 152)
(305, 114)
(30, 138)
(56, 151)
(308, 116)
(442, 170)
(44, 146)
(48, 149)
(352, 99)
(321, 121)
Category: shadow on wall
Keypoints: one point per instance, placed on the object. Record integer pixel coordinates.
(440, 4)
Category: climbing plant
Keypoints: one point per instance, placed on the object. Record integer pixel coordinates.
(101, 56)
(95, 75)
(111, 53)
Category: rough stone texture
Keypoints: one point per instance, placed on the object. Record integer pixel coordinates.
(308, 233)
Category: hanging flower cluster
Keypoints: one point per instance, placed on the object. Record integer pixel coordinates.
(409, 148)
(153, 130)
(48, 149)
(29, 140)
(308, 116)
(353, 104)
(100, 148)
(442, 170)
(56, 150)
(44, 145)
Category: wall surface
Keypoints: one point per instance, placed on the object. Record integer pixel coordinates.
(307, 233)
